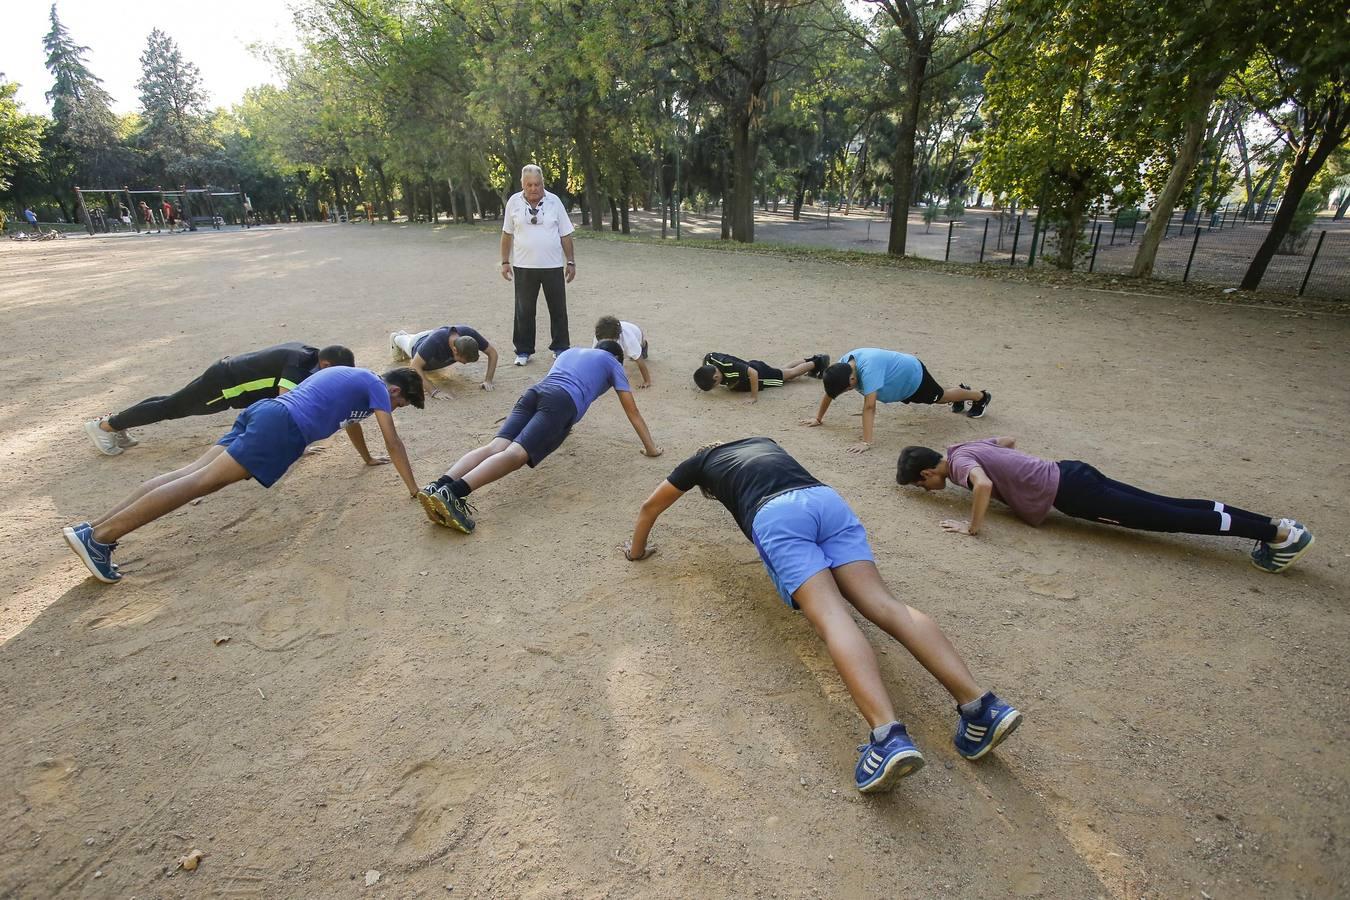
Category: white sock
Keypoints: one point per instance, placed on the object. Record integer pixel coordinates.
(880, 731)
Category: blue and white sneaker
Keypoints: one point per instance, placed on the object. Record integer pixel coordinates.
(95, 555)
(885, 762)
(978, 734)
(1278, 557)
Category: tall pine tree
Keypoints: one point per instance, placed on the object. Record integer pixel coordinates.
(173, 108)
(85, 126)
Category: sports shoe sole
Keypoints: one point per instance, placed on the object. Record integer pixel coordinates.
(90, 428)
(1006, 726)
(435, 509)
(83, 553)
(1293, 559)
(902, 765)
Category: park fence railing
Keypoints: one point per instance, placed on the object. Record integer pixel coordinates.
(1214, 249)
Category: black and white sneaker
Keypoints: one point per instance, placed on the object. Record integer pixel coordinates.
(979, 406)
(819, 363)
(960, 405)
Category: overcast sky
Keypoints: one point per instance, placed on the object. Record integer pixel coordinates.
(214, 35)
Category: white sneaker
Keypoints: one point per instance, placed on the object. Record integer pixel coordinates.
(103, 440)
(124, 438)
(522, 358)
(394, 348)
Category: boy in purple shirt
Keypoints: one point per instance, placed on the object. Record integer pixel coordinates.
(1031, 486)
(538, 424)
(266, 439)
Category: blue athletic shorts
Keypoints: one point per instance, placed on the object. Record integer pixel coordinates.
(265, 441)
(540, 421)
(804, 531)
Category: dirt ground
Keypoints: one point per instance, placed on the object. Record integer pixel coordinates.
(523, 713)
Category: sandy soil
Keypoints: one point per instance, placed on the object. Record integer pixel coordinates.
(523, 713)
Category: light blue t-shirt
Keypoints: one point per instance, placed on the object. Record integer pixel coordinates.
(333, 397)
(894, 376)
(585, 375)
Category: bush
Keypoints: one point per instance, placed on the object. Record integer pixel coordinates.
(955, 208)
(930, 214)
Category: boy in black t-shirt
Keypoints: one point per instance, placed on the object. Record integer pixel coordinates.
(441, 347)
(816, 553)
(742, 376)
(232, 382)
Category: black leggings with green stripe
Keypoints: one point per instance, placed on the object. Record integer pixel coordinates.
(202, 396)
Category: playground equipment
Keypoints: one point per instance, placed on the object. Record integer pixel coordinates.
(117, 209)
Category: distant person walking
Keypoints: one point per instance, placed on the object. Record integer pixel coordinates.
(537, 252)
(31, 218)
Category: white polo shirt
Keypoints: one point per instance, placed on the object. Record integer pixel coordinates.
(536, 246)
(630, 339)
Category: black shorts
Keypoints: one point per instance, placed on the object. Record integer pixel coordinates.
(929, 390)
(540, 421)
(768, 376)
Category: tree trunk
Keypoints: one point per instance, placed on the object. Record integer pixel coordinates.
(1196, 120)
(742, 199)
(1342, 206)
(339, 200)
(1306, 166)
(1275, 174)
(902, 166)
(799, 197)
(383, 183)
(467, 191)
(454, 212)
(1073, 225)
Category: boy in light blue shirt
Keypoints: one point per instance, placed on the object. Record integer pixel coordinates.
(891, 377)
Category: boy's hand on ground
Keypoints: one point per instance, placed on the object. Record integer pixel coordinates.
(488, 386)
(647, 385)
(378, 461)
(956, 526)
(438, 394)
(750, 400)
(809, 422)
(310, 451)
(655, 451)
(627, 548)
(860, 447)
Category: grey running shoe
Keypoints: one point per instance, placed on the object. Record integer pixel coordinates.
(103, 440)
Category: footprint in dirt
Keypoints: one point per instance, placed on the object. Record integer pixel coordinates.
(1050, 585)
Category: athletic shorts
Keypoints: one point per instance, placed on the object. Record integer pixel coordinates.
(540, 421)
(265, 441)
(768, 376)
(929, 390)
(804, 531)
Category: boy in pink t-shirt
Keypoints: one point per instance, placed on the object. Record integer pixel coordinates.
(1030, 486)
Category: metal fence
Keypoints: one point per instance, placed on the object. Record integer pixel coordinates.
(1215, 250)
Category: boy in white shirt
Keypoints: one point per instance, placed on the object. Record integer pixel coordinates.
(631, 338)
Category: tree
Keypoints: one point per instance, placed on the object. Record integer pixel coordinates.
(85, 134)
(1304, 57)
(173, 107)
(20, 135)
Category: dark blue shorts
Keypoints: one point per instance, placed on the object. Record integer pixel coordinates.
(265, 441)
(540, 421)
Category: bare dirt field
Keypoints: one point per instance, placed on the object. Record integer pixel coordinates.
(523, 713)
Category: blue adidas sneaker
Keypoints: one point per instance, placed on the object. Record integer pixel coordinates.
(978, 734)
(95, 555)
(885, 762)
(1278, 557)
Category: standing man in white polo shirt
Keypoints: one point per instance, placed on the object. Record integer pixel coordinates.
(537, 238)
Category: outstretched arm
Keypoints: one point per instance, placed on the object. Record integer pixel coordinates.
(491, 352)
(646, 375)
(820, 412)
(981, 489)
(869, 417)
(397, 452)
(661, 500)
(419, 365)
(639, 425)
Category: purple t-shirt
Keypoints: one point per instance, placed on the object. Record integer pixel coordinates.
(334, 397)
(1026, 483)
(585, 375)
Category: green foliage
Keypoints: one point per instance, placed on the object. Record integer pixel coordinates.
(20, 135)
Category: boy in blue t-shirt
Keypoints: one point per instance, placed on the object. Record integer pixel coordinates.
(441, 347)
(266, 439)
(538, 424)
(890, 377)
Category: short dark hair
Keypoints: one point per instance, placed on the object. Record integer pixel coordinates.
(703, 377)
(913, 461)
(836, 378)
(612, 348)
(608, 328)
(337, 355)
(467, 347)
(409, 382)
